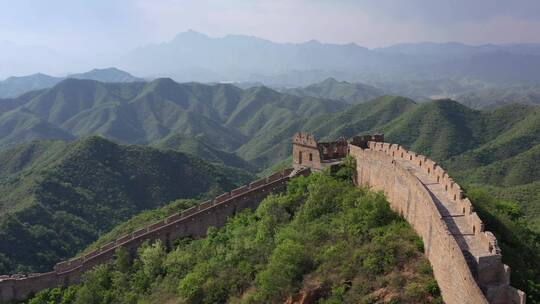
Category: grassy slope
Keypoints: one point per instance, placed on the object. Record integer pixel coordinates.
(58, 197)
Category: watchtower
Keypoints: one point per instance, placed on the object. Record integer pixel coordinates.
(308, 153)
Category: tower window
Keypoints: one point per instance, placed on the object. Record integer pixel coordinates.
(310, 157)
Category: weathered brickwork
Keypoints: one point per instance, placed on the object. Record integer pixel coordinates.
(308, 153)
(466, 259)
(193, 222)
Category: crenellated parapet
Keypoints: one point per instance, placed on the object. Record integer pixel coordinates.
(309, 153)
(192, 222)
(466, 259)
(306, 139)
(452, 189)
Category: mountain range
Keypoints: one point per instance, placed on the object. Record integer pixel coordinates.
(331, 88)
(221, 115)
(251, 129)
(415, 70)
(234, 131)
(195, 56)
(491, 98)
(57, 196)
(16, 86)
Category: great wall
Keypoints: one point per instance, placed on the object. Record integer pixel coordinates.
(192, 222)
(466, 260)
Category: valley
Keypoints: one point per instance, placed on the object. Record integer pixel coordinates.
(50, 140)
(246, 152)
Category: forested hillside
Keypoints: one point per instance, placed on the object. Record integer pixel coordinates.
(492, 151)
(15, 86)
(58, 197)
(353, 93)
(221, 116)
(324, 238)
(251, 129)
(491, 98)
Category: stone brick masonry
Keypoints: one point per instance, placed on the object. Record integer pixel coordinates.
(466, 259)
(193, 222)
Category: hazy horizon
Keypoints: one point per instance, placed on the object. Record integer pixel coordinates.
(62, 37)
(120, 25)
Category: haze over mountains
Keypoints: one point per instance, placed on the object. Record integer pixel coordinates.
(15, 86)
(54, 171)
(416, 70)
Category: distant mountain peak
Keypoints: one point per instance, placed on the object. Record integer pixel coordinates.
(331, 88)
(164, 81)
(190, 34)
(110, 74)
(332, 80)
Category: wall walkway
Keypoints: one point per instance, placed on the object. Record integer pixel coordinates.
(192, 222)
(465, 258)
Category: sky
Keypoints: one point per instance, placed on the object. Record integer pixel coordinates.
(119, 25)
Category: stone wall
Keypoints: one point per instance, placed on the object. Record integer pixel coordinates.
(193, 222)
(306, 152)
(462, 277)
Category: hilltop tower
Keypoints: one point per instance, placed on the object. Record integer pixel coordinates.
(308, 153)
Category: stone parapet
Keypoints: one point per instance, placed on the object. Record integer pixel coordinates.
(192, 222)
(466, 259)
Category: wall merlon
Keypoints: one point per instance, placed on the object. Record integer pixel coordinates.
(190, 211)
(490, 242)
(420, 160)
(205, 205)
(274, 177)
(430, 166)
(173, 218)
(59, 267)
(222, 197)
(124, 238)
(410, 156)
(257, 183)
(287, 172)
(157, 225)
(107, 246)
(466, 206)
(140, 232)
(305, 139)
(76, 262)
(476, 223)
(240, 190)
(91, 254)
